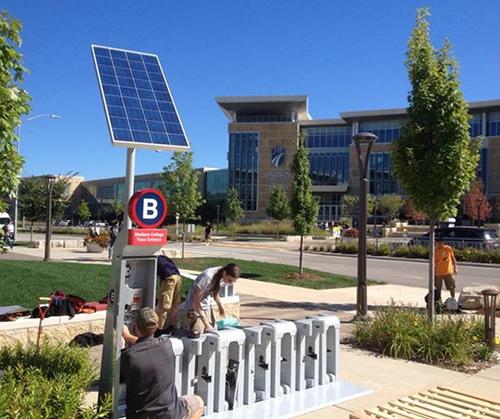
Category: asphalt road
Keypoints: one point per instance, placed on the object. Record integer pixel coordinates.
(393, 271)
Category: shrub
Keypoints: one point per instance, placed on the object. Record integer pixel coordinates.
(404, 332)
(350, 232)
(49, 383)
(401, 251)
(101, 239)
(350, 248)
(321, 248)
(307, 247)
(384, 250)
(418, 252)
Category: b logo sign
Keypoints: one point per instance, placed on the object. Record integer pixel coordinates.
(147, 208)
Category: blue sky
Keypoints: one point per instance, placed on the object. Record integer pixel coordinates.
(345, 55)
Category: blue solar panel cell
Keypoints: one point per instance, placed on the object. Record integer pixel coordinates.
(137, 100)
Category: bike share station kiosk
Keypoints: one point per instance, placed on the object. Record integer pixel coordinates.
(276, 369)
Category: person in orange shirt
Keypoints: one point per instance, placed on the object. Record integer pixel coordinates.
(445, 266)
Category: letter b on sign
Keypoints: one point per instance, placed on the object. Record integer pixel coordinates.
(149, 209)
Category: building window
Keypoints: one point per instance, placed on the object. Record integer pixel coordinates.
(493, 124)
(329, 168)
(476, 125)
(381, 180)
(243, 167)
(217, 185)
(386, 131)
(328, 137)
(284, 117)
(481, 171)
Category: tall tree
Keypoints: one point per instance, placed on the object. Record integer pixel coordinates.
(14, 102)
(234, 212)
(180, 186)
(476, 205)
(83, 211)
(389, 206)
(278, 206)
(434, 159)
(304, 206)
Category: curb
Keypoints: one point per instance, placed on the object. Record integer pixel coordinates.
(396, 259)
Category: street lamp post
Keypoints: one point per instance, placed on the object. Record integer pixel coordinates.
(363, 140)
(48, 226)
(16, 202)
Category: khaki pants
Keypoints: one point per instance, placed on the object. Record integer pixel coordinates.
(168, 299)
(448, 280)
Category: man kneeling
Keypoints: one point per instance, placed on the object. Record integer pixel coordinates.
(148, 369)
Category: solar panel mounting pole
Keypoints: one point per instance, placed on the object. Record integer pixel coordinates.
(129, 185)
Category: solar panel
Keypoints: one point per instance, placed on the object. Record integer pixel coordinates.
(137, 101)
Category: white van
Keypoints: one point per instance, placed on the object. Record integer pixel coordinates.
(4, 219)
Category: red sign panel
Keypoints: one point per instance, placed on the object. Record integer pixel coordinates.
(147, 237)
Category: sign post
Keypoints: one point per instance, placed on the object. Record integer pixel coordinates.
(133, 283)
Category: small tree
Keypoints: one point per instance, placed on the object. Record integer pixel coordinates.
(32, 199)
(118, 209)
(83, 211)
(234, 212)
(278, 207)
(180, 186)
(304, 206)
(350, 205)
(434, 159)
(476, 205)
(411, 213)
(389, 206)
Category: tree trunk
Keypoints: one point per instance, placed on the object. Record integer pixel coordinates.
(431, 302)
(183, 237)
(278, 230)
(31, 232)
(301, 268)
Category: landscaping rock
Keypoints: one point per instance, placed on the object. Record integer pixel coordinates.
(471, 298)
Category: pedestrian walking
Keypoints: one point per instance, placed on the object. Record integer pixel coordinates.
(445, 266)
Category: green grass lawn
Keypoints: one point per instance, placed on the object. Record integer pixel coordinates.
(24, 281)
(271, 272)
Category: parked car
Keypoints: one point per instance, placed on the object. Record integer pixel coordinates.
(65, 223)
(461, 237)
(94, 223)
(4, 219)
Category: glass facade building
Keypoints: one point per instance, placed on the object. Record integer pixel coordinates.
(244, 167)
(387, 130)
(329, 137)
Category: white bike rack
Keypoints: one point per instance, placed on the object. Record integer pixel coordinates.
(283, 352)
(329, 348)
(229, 347)
(308, 353)
(193, 348)
(178, 349)
(262, 382)
(206, 372)
(253, 338)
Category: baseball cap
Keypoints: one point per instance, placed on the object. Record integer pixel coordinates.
(146, 319)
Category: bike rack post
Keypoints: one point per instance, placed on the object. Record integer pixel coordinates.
(229, 350)
(329, 348)
(192, 350)
(283, 379)
(253, 338)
